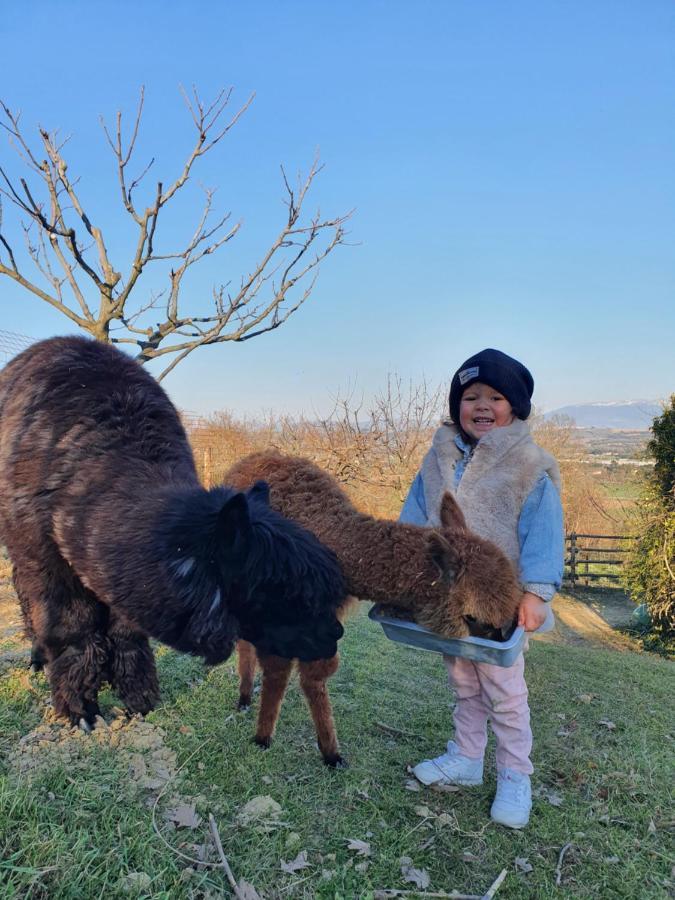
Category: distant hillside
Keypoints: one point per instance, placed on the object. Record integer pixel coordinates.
(624, 415)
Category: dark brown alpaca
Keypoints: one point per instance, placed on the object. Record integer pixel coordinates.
(442, 579)
(113, 539)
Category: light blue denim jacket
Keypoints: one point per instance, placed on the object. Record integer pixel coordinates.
(540, 528)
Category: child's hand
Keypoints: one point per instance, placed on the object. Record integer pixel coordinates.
(531, 612)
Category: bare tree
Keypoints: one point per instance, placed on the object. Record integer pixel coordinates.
(75, 272)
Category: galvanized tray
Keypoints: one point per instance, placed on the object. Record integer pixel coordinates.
(498, 653)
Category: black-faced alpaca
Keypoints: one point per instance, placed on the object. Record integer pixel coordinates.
(443, 579)
(113, 539)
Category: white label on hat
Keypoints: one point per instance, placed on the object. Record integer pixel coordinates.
(467, 374)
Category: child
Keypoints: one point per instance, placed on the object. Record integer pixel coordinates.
(508, 489)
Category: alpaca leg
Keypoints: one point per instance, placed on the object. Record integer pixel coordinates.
(313, 677)
(276, 673)
(131, 667)
(38, 657)
(68, 625)
(246, 666)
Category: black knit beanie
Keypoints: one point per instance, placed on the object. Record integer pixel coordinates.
(503, 373)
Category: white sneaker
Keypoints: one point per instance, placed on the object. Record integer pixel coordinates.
(450, 768)
(513, 800)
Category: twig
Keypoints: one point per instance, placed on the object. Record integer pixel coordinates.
(223, 858)
(395, 892)
(558, 868)
(190, 859)
(494, 887)
(392, 730)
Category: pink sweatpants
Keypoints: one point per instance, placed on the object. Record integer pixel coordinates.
(498, 695)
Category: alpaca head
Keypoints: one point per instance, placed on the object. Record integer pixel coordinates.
(478, 580)
(291, 609)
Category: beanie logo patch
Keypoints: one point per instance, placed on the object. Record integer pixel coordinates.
(467, 374)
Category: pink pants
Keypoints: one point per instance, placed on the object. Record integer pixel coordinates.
(498, 695)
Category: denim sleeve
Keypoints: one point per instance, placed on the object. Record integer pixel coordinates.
(541, 537)
(414, 510)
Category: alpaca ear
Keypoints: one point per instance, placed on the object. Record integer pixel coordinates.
(233, 519)
(451, 514)
(445, 558)
(260, 491)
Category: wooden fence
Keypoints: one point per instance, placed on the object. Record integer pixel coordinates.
(589, 557)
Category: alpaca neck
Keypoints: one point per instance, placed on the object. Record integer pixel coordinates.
(370, 557)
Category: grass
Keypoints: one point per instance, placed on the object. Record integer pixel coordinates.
(604, 731)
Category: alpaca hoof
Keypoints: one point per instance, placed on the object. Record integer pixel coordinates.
(244, 704)
(263, 742)
(335, 761)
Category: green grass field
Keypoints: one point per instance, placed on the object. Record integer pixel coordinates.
(76, 812)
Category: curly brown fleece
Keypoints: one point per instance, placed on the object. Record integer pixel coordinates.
(437, 577)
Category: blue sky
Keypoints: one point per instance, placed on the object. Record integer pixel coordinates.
(510, 166)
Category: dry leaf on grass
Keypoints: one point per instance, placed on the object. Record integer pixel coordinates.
(300, 862)
(424, 812)
(445, 788)
(548, 795)
(610, 726)
(184, 815)
(523, 864)
(362, 848)
(413, 786)
(261, 810)
(418, 877)
(445, 819)
(247, 891)
(586, 698)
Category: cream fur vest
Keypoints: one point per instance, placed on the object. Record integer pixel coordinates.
(504, 468)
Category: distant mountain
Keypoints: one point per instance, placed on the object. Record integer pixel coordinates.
(625, 415)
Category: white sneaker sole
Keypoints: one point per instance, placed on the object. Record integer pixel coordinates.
(463, 782)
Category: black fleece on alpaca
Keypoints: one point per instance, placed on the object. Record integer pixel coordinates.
(113, 539)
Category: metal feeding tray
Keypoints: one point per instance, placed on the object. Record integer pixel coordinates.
(498, 653)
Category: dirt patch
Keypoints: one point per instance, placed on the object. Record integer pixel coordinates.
(591, 616)
(139, 747)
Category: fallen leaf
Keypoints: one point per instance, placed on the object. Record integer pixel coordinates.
(247, 891)
(259, 809)
(185, 729)
(361, 867)
(652, 827)
(612, 860)
(134, 882)
(424, 812)
(610, 726)
(184, 815)
(445, 788)
(523, 864)
(585, 698)
(267, 779)
(300, 862)
(413, 786)
(362, 848)
(418, 877)
(444, 819)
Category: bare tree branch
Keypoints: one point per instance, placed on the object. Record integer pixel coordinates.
(52, 212)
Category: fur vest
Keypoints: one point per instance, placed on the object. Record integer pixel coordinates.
(502, 471)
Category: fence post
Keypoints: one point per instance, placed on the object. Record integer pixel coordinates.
(573, 558)
(208, 467)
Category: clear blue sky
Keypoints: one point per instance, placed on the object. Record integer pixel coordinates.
(511, 166)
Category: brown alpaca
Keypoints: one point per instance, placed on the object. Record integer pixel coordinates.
(442, 579)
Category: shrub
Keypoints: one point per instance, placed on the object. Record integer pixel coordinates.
(649, 573)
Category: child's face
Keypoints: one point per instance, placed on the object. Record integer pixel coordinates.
(481, 409)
